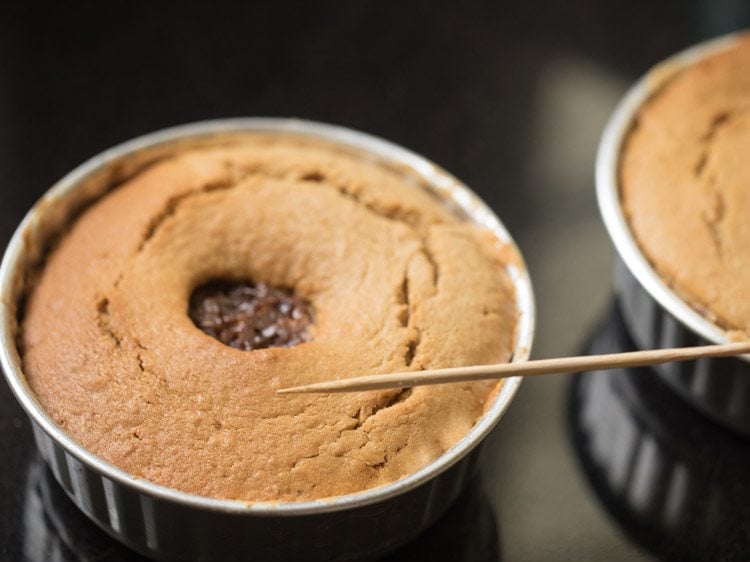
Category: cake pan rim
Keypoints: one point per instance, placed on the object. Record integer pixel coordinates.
(461, 195)
(608, 190)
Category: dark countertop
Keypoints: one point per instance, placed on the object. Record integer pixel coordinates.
(509, 96)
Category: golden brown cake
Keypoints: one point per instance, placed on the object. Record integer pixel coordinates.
(685, 184)
(392, 280)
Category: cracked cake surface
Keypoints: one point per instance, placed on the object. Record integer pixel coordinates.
(685, 184)
(394, 282)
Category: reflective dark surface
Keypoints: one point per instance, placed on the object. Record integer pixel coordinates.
(509, 96)
(676, 481)
(52, 528)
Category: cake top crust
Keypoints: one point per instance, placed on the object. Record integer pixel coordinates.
(393, 281)
(685, 184)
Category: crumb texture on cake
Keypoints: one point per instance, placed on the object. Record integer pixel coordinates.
(395, 281)
(685, 184)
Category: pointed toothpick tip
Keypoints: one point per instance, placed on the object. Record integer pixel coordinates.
(291, 390)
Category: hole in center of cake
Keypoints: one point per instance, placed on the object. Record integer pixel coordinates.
(251, 316)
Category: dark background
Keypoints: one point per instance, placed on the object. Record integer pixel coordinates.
(459, 83)
(509, 96)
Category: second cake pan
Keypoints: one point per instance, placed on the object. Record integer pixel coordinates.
(168, 524)
(656, 316)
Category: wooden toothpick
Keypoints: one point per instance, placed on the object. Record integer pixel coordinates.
(521, 369)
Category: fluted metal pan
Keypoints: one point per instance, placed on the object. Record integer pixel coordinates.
(168, 524)
(655, 314)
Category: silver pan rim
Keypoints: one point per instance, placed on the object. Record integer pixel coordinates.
(608, 192)
(444, 183)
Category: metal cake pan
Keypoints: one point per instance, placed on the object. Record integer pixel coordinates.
(164, 523)
(657, 316)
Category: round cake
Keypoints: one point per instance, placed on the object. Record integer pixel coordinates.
(685, 184)
(173, 308)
